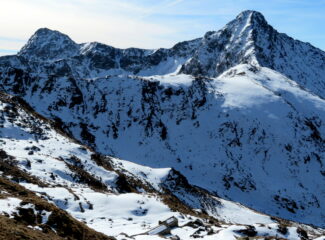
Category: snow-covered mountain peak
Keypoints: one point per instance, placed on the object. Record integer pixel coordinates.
(245, 24)
(233, 44)
(240, 112)
(46, 32)
(46, 44)
(250, 39)
(251, 15)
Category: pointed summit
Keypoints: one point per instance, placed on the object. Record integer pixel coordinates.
(251, 14)
(248, 19)
(47, 44)
(234, 44)
(46, 31)
(249, 39)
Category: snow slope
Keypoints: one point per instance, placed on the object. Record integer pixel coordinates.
(37, 148)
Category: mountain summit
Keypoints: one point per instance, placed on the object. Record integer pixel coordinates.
(250, 39)
(48, 44)
(250, 18)
(240, 112)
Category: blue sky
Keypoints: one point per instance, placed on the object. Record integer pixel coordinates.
(151, 23)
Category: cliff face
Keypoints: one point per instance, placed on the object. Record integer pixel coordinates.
(239, 112)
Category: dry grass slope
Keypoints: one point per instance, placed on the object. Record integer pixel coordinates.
(60, 224)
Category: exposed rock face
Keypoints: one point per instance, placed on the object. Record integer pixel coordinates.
(240, 111)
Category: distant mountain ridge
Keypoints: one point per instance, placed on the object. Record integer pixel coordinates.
(246, 39)
(239, 112)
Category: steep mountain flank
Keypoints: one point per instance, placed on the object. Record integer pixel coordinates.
(51, 186)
